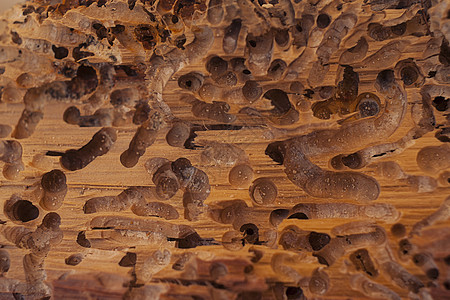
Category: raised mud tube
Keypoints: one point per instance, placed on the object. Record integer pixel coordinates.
(293, 153)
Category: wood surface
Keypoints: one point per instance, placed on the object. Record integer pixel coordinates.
(99, 276)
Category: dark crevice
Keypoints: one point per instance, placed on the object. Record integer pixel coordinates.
(103, 228)
(440, 103)
(188, 282)
(129, 260)
(383, 154)
(300, 216)
(192, 240)
(82, 240)
(60, 52)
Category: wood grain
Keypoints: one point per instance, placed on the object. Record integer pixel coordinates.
(99, 276)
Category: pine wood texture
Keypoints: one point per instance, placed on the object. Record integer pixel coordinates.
(99, 275)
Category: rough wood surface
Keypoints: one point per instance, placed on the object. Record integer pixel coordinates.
(99, 275)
